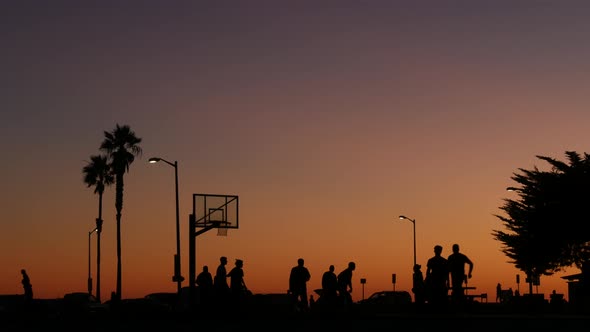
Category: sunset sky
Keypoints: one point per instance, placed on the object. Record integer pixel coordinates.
(328, 119)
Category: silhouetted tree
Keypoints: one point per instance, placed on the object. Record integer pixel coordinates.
(547, 227)
(122, 146)
(97, 174)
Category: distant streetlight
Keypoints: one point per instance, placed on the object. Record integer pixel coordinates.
(177, 275)
(512, 189)
(89, 272)
(414, 223)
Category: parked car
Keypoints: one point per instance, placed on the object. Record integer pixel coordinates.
(386, 301)
(169, 300)
(140, 307)
(82, 304)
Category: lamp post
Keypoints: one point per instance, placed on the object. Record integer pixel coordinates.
(89, 272)
(177, 275)
(414, 223)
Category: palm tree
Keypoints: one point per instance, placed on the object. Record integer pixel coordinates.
(97, 174)
(121, 146)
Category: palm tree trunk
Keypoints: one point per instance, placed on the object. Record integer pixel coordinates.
(119, 296)
(98, 266)
(99, 230)
(119, 207)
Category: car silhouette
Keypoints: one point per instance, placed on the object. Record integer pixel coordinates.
(82, 304)
(386, 301)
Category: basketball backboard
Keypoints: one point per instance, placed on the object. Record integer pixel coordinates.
(211, 210)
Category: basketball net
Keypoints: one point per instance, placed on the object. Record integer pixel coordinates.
(222, 231)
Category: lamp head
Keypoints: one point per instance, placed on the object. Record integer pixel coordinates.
(154, 160)
(410, 219)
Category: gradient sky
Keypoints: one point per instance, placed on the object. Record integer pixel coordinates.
(328, 119)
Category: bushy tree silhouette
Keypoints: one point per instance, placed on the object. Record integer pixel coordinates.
(547, 227)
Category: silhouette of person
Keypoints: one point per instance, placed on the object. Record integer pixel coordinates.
(27, 287)
(345, 284)
(205, 282)
(237, 285)
(329, 286)
(418, 286)
(298, 284)
(457, 261)
(220, 281)
(498, 292)
(556, 300)
(437, 278)
(115, 301)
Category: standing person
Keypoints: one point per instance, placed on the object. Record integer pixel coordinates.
(418, 287)
(298, 284)
(237, 285)
(329, 286)
(437, 278)
(220, 282)
(205, 282)
(345, 284)
(27, 287)
(498, 292)
(457, 261)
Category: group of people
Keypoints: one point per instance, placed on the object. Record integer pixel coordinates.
(335, 288)
(442, 274)
(505, 295)
(217, 287)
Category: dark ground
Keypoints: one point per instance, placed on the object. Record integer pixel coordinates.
(404, 322)
(480, 317)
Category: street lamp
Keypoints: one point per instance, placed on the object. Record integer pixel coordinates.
(89, 273)
(177, 275)
(414, 223)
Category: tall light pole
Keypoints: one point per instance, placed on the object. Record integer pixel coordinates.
(414, 223)
(177, 275)
(89, 272)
